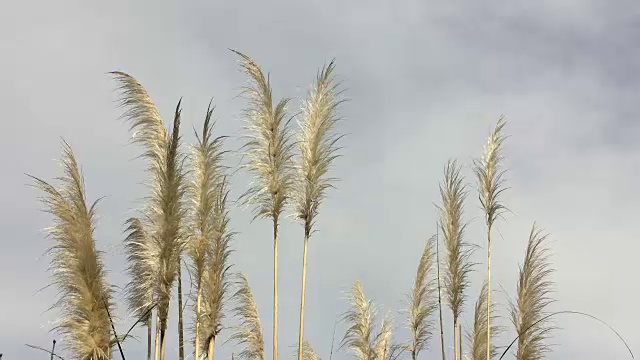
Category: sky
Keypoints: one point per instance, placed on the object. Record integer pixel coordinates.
(426, 81)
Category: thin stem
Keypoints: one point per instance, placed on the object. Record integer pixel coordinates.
(163, 341)
(567, 312)
(460, 341)
(455, 338)
(333, 339)
(113, 327)
(53, 348)
(42, 349)
(180, 319)
(275, 288)
(156, 355)
(304, 287)
(439, 296)
(198, 302)
(212, 346)
(488, 291)
(149, 325)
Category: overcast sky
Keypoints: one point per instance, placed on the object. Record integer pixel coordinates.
(426, 81)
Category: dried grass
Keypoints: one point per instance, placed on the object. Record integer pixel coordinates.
(478, 338)
(164, 206)
(249, 332)
(84, 295)
(269, 150)
(207, 207)
(422, 302)
(317, 143)
(216, 279)
(360, 337)
(534, 289)
(491, 185)
(457, 264)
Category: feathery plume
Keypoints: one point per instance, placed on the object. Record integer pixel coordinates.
(422, 302)
(490, 175)
(382, 344)
(167, 205)
(317, 143)
(534, 290)
(478, 338)
(164, 207)
(359, 337)
(269, 147)
(149, 131)
(204, 193)
(78, 272)
(458, 267)
(249, 332)
(307, 351)
(269, 151)
(142, 267)
(318, 149)
(146, 123)
(215, 282)
(491, 185)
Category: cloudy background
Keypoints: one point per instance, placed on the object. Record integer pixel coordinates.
(427, 80)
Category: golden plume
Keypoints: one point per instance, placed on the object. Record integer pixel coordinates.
(317, 143)
(249, 332)
(84, 295)
(269, 150)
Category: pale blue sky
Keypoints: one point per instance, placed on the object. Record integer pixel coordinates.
(426, 79)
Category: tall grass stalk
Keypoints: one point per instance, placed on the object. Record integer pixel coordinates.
(458, 267)
(317, 142)
(269, 150)
(170, 239)
(180, 312)
(439, 293)
(216, 282)
(491, 185)
(422, 302)
(205, 194)
(528, 314)
(78, 273)
(164, 207)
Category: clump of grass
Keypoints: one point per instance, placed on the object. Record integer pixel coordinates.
(208, 208)
(142, 252)
(422, 302)
(249, 332)
(164, 206)
(529, 312)
(84, 295)
(478, 338)
(491, 184)
(317, 143)
(269, 150)
(457, 266)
